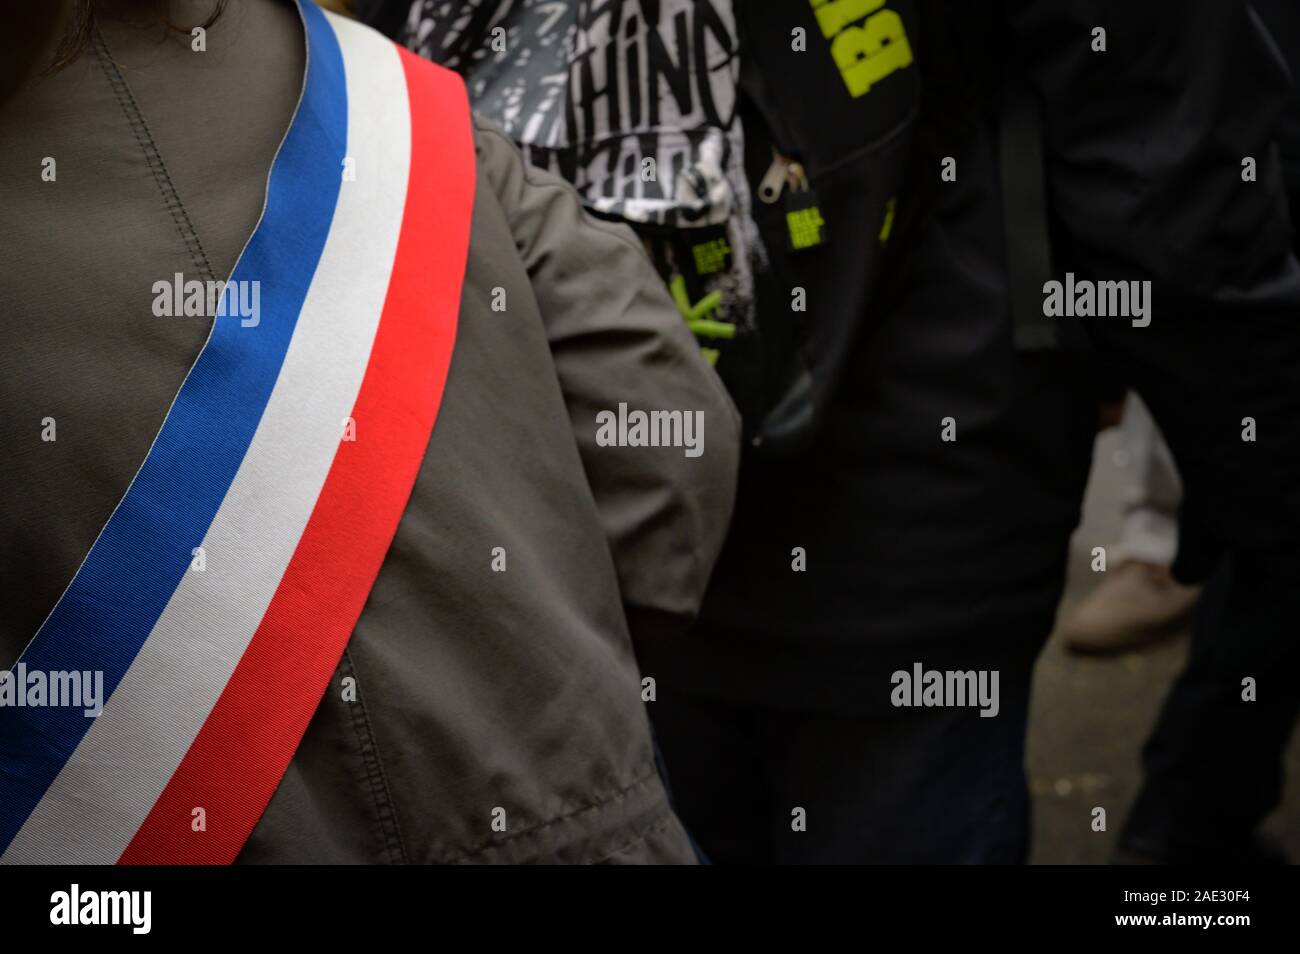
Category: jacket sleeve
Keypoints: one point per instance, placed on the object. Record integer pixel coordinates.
(1146, 140)
(617, 338)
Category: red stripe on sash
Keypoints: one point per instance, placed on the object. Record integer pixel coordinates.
(246, 744)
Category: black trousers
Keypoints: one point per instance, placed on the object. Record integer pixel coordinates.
(1213, 765)
(908, 786)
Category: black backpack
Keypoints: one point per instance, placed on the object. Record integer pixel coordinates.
(831, 95)
(865, 103)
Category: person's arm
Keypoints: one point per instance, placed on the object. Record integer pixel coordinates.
(617, 339)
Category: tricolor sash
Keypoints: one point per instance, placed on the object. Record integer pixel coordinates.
(211, 676)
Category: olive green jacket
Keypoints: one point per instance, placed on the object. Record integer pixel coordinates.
(498, 711)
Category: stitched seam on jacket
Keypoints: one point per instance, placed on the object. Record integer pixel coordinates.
(656, 828)
(651, 775)
(375, 775)
(140, 129)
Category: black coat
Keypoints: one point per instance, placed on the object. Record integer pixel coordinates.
(954, 551)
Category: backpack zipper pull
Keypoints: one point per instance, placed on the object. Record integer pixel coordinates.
(773, 182)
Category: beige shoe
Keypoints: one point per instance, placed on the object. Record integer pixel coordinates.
(1137, 604)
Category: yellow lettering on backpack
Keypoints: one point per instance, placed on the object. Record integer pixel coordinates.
(834, 15)
(868, 53)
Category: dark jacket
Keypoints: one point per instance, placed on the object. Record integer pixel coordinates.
(954, 552)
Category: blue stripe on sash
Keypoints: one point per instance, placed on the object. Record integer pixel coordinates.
(138, 561)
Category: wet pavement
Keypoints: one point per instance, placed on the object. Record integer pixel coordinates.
(1091, 716)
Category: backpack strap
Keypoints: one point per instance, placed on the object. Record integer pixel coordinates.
(1024, 218)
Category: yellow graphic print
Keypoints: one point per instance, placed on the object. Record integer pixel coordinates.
(711, 257)
(805, 227)
(865, 53)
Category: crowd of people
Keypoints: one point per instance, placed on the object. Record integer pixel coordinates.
(890, 263)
